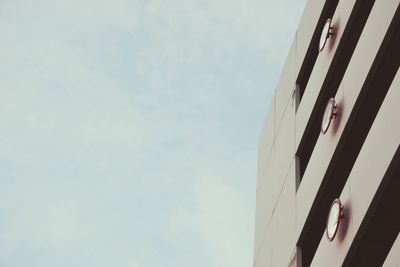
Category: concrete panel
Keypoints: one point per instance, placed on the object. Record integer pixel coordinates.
(346, 96)
(332, 253)
(306, 28)
(284, 144)
(267, 138)
(272, 177)
(283, 225)
(393, 259)
(265, 203)
(321, 68)
(284, 91)
(264, 255)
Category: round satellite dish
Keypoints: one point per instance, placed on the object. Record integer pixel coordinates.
(334, 218)
(326, 33)
(329, 114)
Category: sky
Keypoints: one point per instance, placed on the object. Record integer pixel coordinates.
(129, 128)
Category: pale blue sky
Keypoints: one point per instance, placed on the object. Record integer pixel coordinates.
(129, 129)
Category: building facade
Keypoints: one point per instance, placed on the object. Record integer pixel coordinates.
(346, 53)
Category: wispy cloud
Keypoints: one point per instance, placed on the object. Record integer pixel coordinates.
(129, 128)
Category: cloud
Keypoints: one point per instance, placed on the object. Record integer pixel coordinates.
(129, 129)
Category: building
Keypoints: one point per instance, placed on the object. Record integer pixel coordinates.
(348, 50)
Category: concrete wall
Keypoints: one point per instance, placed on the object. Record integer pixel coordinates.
(287, 211)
